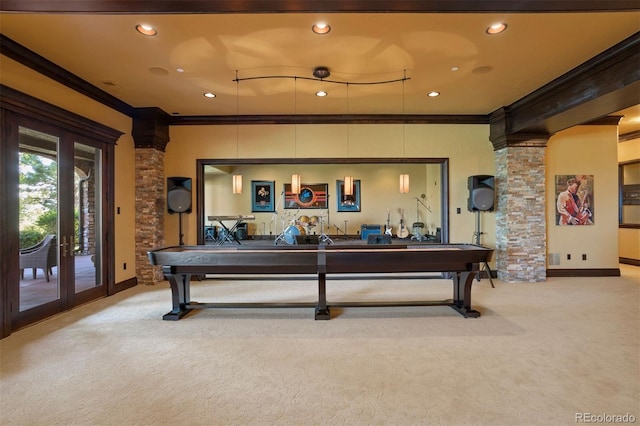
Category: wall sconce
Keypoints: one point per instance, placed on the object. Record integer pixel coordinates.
(237, 184)
(404, 183)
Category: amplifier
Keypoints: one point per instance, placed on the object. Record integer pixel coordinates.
(365, 230)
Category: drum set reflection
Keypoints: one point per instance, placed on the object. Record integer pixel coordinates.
(303, 228)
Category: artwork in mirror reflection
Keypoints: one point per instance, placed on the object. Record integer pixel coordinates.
(348, 203)
(311, 196)
(262, 196)
(375, 192)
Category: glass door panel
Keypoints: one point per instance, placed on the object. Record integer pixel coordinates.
(87, 218)
(38, 218)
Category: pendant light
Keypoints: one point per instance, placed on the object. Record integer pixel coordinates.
(404, 177)
(348, 179)
(295, 177)
(237, 184)
(237, 179)
(404, 183)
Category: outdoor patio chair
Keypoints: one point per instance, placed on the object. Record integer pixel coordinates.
(40, 256)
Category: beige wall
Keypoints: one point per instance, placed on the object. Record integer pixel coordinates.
(629, 239)
(585, 150)
(189, 143)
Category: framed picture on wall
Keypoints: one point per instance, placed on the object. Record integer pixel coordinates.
(262, 195)
(311, 196)
(574, 200)
(348, 203)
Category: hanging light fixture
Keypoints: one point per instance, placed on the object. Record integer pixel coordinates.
(404, 177)
(237, 179)
(348, 179)
(295, 177)
(237, 184)
(295, 183)
(404, 183)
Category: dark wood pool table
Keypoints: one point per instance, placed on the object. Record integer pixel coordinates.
(459, 262)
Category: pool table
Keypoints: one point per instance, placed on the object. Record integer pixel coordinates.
(459, 262)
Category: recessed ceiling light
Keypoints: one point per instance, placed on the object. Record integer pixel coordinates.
(496, 28)
(321, 28)
(209, 95)
(455, 68)
(321, 93)
(180, 69)
(145, 29)
(433, 94)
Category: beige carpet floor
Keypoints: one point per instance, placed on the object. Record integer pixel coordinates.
(541, 354)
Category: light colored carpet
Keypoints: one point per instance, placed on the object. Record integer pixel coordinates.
(540, 354)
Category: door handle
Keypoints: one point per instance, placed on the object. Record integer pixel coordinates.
(64, 245)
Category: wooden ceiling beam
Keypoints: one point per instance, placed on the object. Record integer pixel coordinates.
(313, 6)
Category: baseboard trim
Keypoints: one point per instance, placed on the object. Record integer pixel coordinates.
(603, 272)
(123, 285)
(629, 261)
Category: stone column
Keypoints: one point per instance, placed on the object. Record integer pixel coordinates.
(521, 228)
(149, 212)
(151, 135)
(521, 231)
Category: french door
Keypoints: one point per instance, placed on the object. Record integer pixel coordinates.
(60, 222)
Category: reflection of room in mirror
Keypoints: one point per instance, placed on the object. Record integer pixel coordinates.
(377, 193)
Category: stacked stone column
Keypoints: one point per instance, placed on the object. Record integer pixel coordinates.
(151, 135)
(149, 212)
(521, 231)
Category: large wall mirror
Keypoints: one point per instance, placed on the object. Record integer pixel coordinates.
(377, 199)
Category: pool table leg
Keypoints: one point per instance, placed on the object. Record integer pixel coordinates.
(322, 310)
(180, 285)
(462, 282)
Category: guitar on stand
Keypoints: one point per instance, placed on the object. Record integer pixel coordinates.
(403, 231)
(387, 229)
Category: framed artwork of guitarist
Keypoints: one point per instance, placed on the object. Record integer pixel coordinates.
(574, 203)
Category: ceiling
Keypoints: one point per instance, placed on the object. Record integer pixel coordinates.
(249, 60)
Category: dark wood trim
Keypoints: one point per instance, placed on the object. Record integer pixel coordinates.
(629, 261)
(629, 225)
(621, 195)
(124, 285)
(30, 59)
(312, 6)
(24, 104)
(330, 119)
(602, 272)
(629, 136)
(567, 101)
(355, 160)
(609, 120)
(9, 270)
(150, 128)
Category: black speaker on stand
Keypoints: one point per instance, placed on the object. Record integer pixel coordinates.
(481, 198)
(179, 199)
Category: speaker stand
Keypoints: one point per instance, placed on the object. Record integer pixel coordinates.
(477, 235)
(181, 235)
